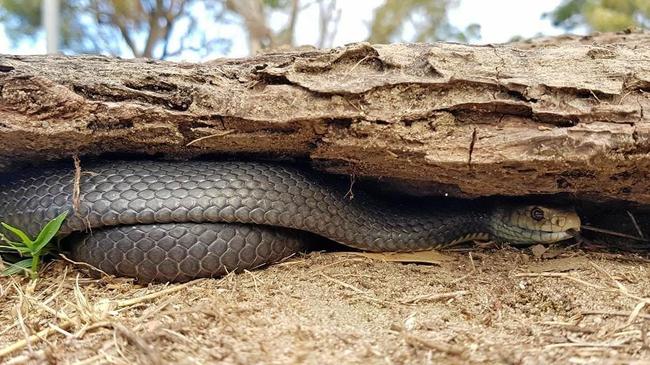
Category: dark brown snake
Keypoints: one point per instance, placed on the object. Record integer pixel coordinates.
(175, 221)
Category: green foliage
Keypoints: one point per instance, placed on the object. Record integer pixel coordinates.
(141, 28)
(602, 15)
(165, 28)
(426, 19)
(22, 21)
(277, 4)
(32, 249)
(20, 17)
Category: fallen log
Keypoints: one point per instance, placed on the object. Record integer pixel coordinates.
(562, 115)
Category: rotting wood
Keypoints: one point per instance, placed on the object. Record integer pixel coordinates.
(563, 115)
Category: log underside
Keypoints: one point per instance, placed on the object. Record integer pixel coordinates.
(564, 115)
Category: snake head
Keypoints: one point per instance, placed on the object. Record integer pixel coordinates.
(528, 224)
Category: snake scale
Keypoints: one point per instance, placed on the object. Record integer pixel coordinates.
(175, 221)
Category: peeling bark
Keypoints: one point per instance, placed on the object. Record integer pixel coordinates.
(565, 115)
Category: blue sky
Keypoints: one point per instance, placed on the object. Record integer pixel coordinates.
(500, 20)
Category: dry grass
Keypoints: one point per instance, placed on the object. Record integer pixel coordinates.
(497, 306)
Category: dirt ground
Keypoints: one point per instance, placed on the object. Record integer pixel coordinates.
(494, 305)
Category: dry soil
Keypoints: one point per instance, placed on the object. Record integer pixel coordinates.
(491, 305)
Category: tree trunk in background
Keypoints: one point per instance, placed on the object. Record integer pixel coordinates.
(561, 115)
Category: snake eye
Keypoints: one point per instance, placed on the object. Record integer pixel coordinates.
(537, 214)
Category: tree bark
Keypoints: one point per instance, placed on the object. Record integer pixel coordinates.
(562, 115)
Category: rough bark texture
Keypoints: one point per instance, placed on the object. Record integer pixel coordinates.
(564, 115)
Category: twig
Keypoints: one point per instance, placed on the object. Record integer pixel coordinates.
(144, 298)
(21, 321)
(363, 294)
(618, 314)
(594, 95)
(31, 339)
(8, 328)
(61, 330)
(84, 264)
(86, 328)
(59, 314)
(59, 288)
(635, 313)
(76, 186)
(613, 233)
(350, 194)
(149, 353)
(571, 327)
(76, 193)
(343, 284)
(462, 278)
(471, 260)
(434, 297)
(219, 134)
(636, 225)
(472, 142)
(434, 345)
(582, 344)
(356, 65)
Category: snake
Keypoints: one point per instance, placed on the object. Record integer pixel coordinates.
(174, 221)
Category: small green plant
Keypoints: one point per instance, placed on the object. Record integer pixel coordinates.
(32, 250)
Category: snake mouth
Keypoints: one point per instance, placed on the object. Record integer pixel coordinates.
(573, 232)
(544, 237)
(563, 236)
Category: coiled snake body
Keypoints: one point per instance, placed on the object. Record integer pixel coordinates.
(174, 221)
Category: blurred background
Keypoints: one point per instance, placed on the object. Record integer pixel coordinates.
(192, 30)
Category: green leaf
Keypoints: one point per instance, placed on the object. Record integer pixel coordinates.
(17, 267)
(19, 233)
(48, 232)
(21, 250)
(14, 245)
